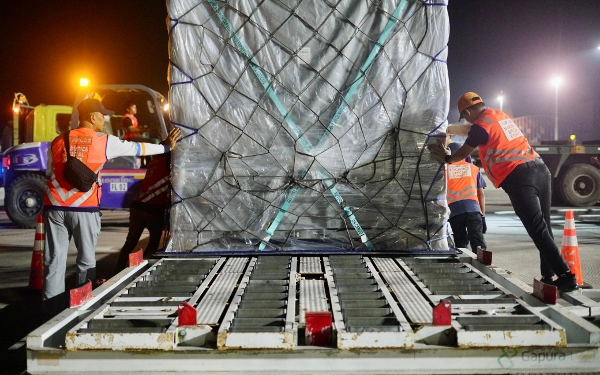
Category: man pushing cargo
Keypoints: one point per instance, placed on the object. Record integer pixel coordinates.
(71, 204)
(512, 164)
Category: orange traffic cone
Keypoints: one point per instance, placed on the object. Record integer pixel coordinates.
(570, 248)
(36, 276)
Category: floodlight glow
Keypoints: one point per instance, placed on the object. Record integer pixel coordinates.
(84, 82)
(556, 81)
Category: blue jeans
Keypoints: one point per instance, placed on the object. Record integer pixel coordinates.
(529, 188)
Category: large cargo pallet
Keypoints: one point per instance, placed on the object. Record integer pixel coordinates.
(251, 317)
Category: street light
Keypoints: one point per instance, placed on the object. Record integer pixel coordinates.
(501, 100)
(556, 81)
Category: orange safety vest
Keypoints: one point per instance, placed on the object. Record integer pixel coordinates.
(156, 186)
(506, 148)
(461, 178)
(129, 135)
(87, 146)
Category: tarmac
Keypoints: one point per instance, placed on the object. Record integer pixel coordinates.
(20, 307)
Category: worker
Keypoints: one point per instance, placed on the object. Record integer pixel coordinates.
(130, 123)
(133, 131)
(512, 164)
(149, 209)
(69, 212)
(466, 201)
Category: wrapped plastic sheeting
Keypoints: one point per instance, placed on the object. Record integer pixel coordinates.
(305, 124)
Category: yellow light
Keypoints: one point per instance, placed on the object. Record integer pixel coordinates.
(572, 137)
(16, 108)
(83, 82)
(166, 107)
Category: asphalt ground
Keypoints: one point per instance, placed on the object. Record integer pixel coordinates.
(20, 307)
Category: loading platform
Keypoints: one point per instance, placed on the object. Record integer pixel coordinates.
(252, 315)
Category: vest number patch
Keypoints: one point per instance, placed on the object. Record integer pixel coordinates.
(510, 129)
(459, 171)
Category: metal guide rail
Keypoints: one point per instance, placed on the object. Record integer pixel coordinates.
(381, 311)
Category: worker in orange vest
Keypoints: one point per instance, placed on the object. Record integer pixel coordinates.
(466, 202)
(130, 123)
(70, 212)
(512, 164)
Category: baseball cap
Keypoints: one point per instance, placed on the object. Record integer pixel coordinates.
(454, 147)
(466, 100)
(93, 105)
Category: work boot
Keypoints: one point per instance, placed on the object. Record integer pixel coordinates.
(546, 280)
(565, 282)
(84, 276)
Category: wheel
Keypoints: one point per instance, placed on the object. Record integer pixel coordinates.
(24, 200)
(579, 185)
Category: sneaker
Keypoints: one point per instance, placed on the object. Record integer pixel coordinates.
(565, 283)
(546, 280)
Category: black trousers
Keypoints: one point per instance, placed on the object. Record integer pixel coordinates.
(468, 228)
(529, 187)
(138, 221)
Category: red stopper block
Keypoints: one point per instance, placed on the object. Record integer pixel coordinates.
(545, 292)
(484, 256)
(442, 313)
(81, 295)
(318, 328)
(136, 258)
(186, 314)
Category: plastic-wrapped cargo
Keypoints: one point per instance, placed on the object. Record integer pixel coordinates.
(305, 124)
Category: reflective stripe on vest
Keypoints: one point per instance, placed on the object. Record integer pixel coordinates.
(154, 190)
(156, 185)
(89, 147)
(462, 182)
(506, 147)
(494, 156)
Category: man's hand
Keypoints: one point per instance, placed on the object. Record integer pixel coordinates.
(483, 224)
(171, 140)
(439, 151)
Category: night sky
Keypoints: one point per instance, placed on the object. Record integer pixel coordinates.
(511, 45)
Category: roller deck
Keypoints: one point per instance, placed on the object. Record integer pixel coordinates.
(251, 318)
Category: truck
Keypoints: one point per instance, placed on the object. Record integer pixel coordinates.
(24, 160)
(575, 178)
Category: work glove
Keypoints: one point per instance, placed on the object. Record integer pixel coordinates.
(483, 224)
(439, 151)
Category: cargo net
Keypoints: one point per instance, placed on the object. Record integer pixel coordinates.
(305, 123)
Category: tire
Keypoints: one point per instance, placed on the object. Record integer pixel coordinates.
(24, 200)
(579, 185)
